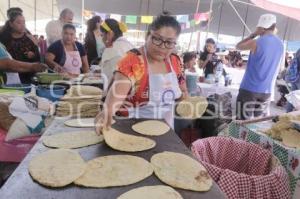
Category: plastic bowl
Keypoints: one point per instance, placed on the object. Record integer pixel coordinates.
(21, 87)
(48, 78)
(51, 92)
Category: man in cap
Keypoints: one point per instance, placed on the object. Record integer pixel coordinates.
(262, 68)
(54, 28)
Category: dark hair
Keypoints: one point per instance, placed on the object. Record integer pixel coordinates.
(208, 41)
(165, 20)
(188, 56)
(69, 26)
(13, 9)
(6, 30)
(114, 26)
(92, 23)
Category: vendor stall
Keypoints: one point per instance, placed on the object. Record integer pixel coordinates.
(21, 185)
(289, 157)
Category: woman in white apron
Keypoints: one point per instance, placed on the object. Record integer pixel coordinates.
(151, 66)
(67, 55)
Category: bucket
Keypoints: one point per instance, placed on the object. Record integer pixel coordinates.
(51, 92)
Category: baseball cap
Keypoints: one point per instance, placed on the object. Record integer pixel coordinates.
(266, 20)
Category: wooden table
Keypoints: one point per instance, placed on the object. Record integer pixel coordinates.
(21, 186)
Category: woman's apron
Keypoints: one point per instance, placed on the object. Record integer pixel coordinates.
(163, 90)
(73, 61)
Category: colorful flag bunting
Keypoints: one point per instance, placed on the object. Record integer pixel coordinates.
(182, 18)
(147, 19)
(131, 19)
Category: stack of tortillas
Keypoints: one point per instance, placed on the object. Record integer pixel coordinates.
(291, 138)
(192, 107)
(57, 167)
(151, 127)
(151, 192)
(72, 140)
(125, 142)
(181, 171)
(82, 101)
(82, 122)
(116, 170)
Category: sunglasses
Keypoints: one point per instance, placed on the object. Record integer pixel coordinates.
(158, 42)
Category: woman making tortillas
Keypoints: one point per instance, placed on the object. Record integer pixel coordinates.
(67, 56)
(148, 80)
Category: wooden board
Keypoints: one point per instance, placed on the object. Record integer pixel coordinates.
(21, 185)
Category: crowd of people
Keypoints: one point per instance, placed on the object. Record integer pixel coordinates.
(23, 54)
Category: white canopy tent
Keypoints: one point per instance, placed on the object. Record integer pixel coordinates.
(224, 18)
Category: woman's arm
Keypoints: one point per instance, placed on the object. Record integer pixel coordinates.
(49, 59)
(114, 100)
(85, 65)
(11, 65)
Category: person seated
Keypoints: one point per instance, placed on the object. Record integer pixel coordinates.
(8, 64)
(20, 44)
(208, 58)
(67, 56)
(191, 75)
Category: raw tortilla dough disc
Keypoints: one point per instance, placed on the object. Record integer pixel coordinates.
(192, 107)
(115, 170)
(82, 122)
(151, 192)
(151, 127)
(124, 142)
(57, 167)
(181, 171)
(72, 140)
(291, 138)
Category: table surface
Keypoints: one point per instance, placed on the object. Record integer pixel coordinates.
(20, 184)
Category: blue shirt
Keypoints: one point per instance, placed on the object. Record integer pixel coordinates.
(58, 50)
(3, 52)
(263, 64)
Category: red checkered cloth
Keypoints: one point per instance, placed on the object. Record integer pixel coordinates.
(15, 150)
(241, 169)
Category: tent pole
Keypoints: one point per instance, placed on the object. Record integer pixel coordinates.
(8, 3)
(220, 18)
(237, 13)
(35, 16)
(246, 17)
(209, 20)
(82, 7)
(191, 36)
(163, 5)
(52, 7)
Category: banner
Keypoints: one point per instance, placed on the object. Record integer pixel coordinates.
(147, 19)
(131, 19)
(116, 17)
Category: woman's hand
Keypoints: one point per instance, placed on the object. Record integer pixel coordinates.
(102, 121)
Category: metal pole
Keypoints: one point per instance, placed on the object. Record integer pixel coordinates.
(8, 3)
(191, 37)
(52, 12)
(246, 17)
(209, 20)
(163, 5)
(220, 18)
(35, 16)
(82, 17)
(237, 13)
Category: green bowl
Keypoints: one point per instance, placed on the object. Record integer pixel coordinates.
(48, 78)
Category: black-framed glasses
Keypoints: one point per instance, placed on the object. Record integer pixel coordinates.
(158, 42)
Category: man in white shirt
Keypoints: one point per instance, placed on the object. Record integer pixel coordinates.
(54, 28)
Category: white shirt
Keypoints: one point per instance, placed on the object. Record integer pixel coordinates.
(54, 31)
(112, 55)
